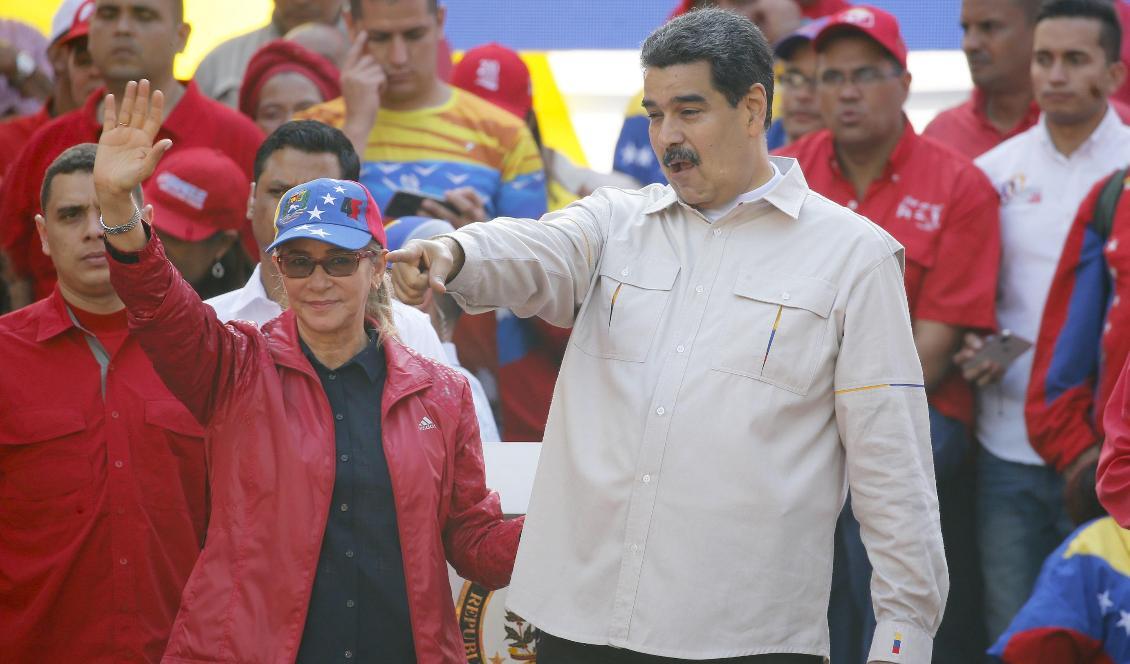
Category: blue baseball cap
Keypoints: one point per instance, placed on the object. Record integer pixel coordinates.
(337, 212)
(415, 228)
(802, 35)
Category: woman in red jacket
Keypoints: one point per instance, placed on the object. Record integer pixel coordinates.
(345, 470)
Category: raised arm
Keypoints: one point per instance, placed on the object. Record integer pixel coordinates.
(196, 356)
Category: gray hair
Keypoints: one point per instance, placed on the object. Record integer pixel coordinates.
(738, 54)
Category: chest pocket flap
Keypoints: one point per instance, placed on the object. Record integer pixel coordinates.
(626, 307)
(646, 274)
(39, 425)
(808, 293)
(172, 415)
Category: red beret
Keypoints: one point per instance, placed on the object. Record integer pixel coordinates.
(281, 56)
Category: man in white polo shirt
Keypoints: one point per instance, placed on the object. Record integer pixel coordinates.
(1042, 175)
(298, 152)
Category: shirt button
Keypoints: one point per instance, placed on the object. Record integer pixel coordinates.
(786, 297)
(345, 507)
(679, 349)
(624, 272)
(853, 204)
(634, 548)
(339, 417)
(349, 603)
(647, 479)
(349, 553)
(332, 376)
(345, 457)
(114, 414)
(895, 177)
(118, 463)
(659, 411)
(717, 232)
(123, 561)
(349, 654)
(698, 289)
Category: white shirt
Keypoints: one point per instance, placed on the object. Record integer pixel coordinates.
(252, 304)
(714, 214)
(488, 430)
(1041, 190)
(723, 385)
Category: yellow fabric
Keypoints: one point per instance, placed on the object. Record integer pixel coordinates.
(1105, 539)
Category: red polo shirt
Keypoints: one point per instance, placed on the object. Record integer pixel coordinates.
(195, 122)
(15, 133)
(103, 499)
(966, 128)
(943, 209)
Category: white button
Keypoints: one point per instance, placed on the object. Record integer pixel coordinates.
(339, 416)
(853, 204)
(634, 548)
(659, 411)
(624, 272)
(717, 232)
(349, 603)
(345, 507)
(646, 479)
(786, 297)
(679, 349)
(332, 376)
(698, 289)
(895, 177)
(349, 654)
(349, 553)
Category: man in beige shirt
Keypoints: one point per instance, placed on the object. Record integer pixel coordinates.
(741, 355)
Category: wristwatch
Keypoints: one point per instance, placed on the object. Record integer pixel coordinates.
(25, 67)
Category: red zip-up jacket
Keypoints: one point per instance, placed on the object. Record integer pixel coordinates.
(1084, 336)
(270, 446)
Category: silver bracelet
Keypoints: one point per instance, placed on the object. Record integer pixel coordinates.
(124, 228)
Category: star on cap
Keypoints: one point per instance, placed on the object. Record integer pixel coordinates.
(339, 189)
(328, 200)
(315, 213)
(318, 231)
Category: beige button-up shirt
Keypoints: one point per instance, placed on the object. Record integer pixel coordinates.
(724, 385)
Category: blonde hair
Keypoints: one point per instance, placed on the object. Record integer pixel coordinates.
(378, 304)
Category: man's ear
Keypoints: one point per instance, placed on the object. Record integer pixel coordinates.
(1117, 72)
(41, 228)
(756, 104)
(441, 17)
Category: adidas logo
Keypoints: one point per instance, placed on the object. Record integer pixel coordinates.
(427, 423)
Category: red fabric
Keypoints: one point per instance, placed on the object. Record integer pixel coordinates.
(1122, 94)
(271, 464)
(102, 503)
(196, 121)
(943, 209)
(1061, 429)
(1055, 645)
(818, 8)
(497, 74)
(882, 27)
(966, 128)
(1113, 478)
(526, 385)
(282, 56)
(15, 133)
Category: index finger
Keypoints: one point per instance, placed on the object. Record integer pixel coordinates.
(355, 49)
(410, 254)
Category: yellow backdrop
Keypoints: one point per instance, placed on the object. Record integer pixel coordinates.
(214, 21)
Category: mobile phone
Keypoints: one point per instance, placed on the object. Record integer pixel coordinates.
(406, 203)
(1001, 348)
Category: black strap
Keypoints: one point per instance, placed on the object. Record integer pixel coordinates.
(101, 356)
(1102, 222)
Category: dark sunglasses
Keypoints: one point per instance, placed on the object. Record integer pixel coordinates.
(300, 266)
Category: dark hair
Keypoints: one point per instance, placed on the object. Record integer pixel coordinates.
(78, 158)
(1103, 11)
(355, 6)
(1031, 8)
(738, 54)
(312, 137)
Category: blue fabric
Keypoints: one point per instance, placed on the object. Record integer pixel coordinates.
(634, 155)
(1020, 520)
(523, 197)
(776, 137)
(359, 602)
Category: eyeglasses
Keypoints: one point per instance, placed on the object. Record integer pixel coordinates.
(300, 266)
(794, 80)
(864, 76)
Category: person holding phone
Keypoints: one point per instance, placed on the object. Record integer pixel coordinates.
(346, 471)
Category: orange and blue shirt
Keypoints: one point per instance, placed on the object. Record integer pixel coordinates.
(464, 142)
(1079, 610)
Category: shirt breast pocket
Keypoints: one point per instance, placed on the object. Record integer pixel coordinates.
(45, 467)
(625, 308)
(170, 457)
(775, 328)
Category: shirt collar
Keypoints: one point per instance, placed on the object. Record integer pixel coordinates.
(1104, 133)
(978, 103)
(253, 292)
(788, 196)
(54, 320)
(370, 358)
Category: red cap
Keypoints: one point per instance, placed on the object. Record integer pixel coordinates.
(871, 22)
(71, 21)
(498, 75)
(280, 56)
(196, 193)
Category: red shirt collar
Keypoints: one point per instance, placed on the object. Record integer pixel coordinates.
(53, 319)
(977, 102)
(899, 156)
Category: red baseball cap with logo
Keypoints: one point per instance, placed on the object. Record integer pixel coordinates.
(872, 22)
(498, 75)
(71, 21)
(196, 193)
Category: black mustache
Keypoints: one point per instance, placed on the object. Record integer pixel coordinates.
(680, 153)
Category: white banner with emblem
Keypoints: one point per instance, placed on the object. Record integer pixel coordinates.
(491, 634)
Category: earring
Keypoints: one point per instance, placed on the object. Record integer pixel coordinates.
(218, 270)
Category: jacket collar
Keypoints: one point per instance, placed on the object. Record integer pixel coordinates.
(788, 196)
(406, 371)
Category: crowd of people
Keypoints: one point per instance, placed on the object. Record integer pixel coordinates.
(811, 383)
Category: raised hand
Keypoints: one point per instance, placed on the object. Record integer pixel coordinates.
(127, 154)
(362, 82)
(423, 264)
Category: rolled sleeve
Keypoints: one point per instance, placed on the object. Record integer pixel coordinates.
(883, 422)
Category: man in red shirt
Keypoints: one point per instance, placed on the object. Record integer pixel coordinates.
(102, 481)
(998, 46)
(128, 41)
(944, 211)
